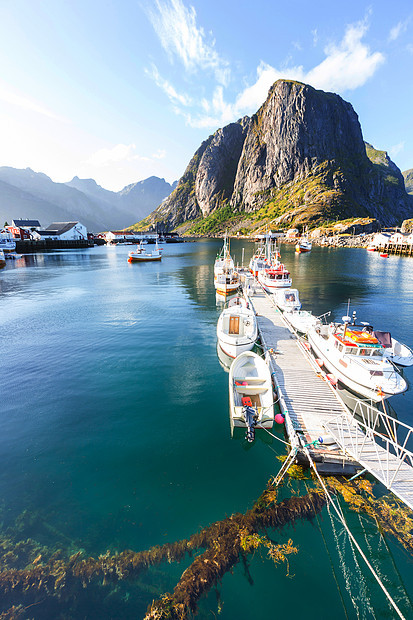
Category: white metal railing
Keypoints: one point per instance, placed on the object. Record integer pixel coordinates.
(379, 431)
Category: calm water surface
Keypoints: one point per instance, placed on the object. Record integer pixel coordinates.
(114, 429)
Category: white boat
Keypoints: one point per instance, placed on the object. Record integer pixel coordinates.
(274, 277)
(394, 350)
(142, 255)
(237, 327)
(258, 261)
(251, 400)
(287, 300)
(226, 278)
(2, 259)
(12, 255)
(303, 245)
(357, 359)
(7, 242)
(302, 320)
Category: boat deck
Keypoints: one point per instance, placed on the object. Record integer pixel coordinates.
(307, 397)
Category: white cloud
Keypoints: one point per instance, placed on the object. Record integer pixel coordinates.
(160, 154)
(180, 36)
(396, 149)
(167, 87)
(315, 36)
(398, 29)
(347, 65)
(15, 99)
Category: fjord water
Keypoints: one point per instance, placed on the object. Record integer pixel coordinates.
(114, 429)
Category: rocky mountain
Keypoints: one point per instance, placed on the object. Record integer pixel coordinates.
(408, 180)
(33, 195)
(300, 160)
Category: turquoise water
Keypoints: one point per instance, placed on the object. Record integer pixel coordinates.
(114, 429)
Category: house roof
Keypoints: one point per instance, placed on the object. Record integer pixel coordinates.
(26, 223)
(121, 232)
(58, 228)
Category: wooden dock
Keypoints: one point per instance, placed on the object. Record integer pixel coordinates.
(313, 409)
(307, 399)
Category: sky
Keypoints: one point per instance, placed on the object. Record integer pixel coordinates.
(120, 90)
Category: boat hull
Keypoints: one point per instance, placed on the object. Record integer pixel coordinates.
(143, 259)
(337, 367)
(249, 376)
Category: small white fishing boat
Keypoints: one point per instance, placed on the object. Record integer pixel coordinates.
(357, 359)
(141, 254)
(251, 400)
(303, 245)
(226, 278)
(2, 259)
(287, 300)
(237, 327)
(301, 320)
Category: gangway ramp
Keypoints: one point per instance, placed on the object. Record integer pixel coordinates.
(371, 438)
(306, 398)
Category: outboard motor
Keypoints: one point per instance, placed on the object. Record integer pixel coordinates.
(250, 416)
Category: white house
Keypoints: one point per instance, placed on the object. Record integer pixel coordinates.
(26, 224)
(292, 233)
(399, 238)
(62, 231)
(380, 239)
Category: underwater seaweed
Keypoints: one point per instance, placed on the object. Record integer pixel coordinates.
(225, 541)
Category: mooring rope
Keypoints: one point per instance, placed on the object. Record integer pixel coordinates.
(344, 523)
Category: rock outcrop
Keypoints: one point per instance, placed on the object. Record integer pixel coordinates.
(408, 180)
(300, 160)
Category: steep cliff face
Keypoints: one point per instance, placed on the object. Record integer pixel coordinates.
(295, 131)
(208, 180)
(218, 166)
(408, 180)
(300, 159)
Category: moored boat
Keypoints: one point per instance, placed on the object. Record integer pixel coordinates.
(7, 243)
(251, 398)
(141, 254)
(303, 245)
(357, 358)
(397, 352)
(226, 278)
(287, 299)
(237, 327)
(274, 277)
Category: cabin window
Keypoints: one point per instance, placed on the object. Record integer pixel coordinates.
(336, 344)
(340, 347)
(349, 350)
(377, 352)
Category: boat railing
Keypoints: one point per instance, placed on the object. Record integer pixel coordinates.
(380, 432)
(389, 375)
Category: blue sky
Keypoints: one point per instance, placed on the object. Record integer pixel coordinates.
(119, 91)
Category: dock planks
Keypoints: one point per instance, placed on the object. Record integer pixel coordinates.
(316, 410)
(309, 399)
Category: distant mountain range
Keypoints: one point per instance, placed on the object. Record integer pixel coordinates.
(25, 194)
